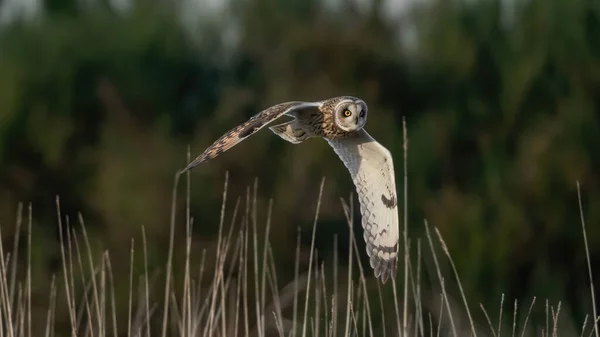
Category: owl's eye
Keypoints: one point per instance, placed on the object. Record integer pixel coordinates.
(347, 113)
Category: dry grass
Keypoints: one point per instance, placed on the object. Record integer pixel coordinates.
(243, 296)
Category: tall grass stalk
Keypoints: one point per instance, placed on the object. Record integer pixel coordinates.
(405, 231)
(589, 263)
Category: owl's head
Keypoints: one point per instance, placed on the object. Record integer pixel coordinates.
(350, 114)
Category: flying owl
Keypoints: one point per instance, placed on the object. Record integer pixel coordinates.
(340, 121)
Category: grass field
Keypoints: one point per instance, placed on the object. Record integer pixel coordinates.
(235, 291)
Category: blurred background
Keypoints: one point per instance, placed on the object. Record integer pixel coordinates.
(100, 99)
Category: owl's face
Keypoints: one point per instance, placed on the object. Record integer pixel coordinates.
(350, 114)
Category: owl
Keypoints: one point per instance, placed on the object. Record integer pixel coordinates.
(340, 121)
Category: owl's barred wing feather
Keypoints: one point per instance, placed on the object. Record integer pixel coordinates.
(245, 130)
(372, 170)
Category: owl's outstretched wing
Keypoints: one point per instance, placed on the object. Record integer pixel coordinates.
(245, 130)
(372, 171)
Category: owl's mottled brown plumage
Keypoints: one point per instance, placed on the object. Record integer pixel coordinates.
(317, 116)
(242, 131)
(340, 121)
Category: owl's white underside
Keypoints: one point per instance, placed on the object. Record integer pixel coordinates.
(372, 171)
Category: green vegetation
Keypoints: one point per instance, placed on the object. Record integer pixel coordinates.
(99, 106)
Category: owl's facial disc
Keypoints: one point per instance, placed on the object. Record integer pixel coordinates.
(351, 115)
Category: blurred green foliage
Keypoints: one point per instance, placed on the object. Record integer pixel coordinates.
(501, 99)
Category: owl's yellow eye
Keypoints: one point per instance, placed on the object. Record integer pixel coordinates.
(347, 113)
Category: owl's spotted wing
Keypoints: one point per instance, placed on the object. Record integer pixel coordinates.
(372, 171)
(245, 130)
